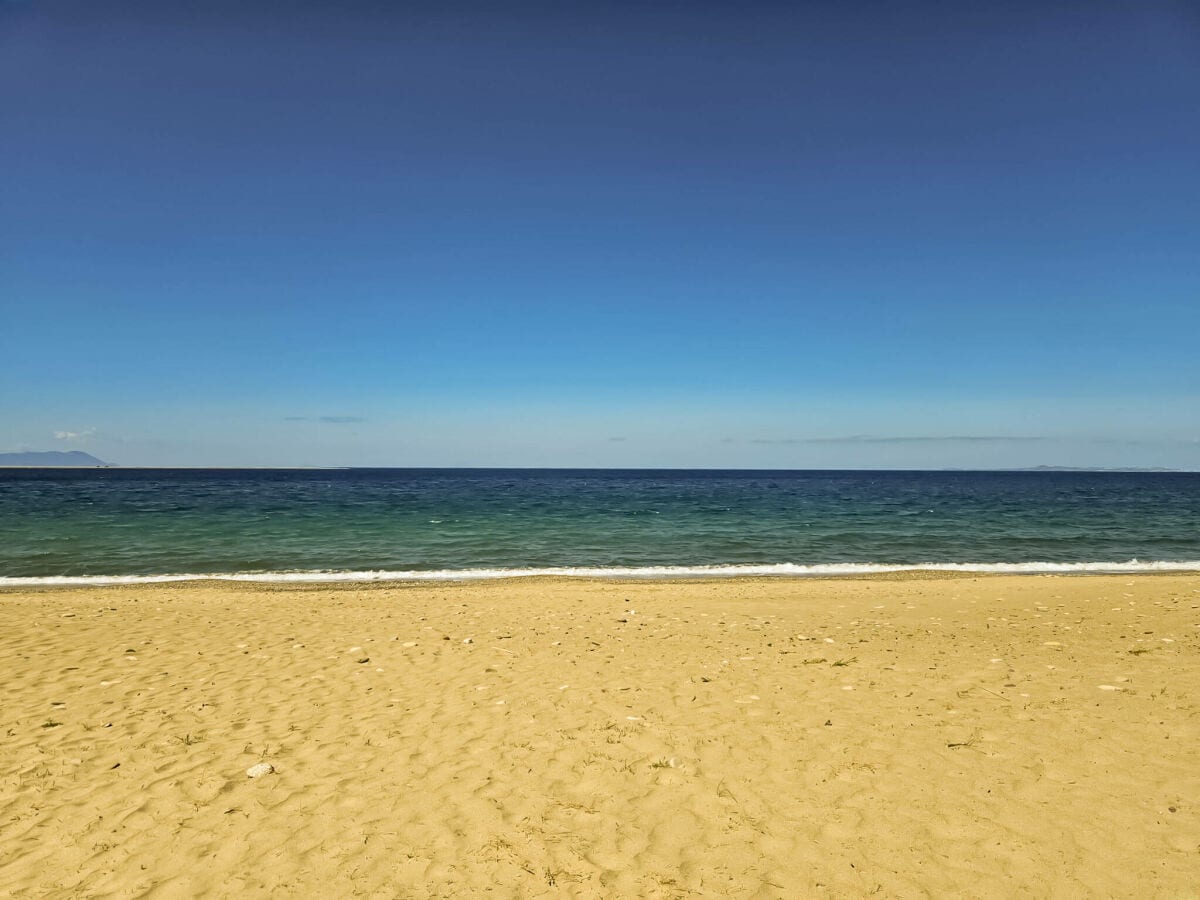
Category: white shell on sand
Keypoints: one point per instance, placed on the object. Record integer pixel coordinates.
(260, 769)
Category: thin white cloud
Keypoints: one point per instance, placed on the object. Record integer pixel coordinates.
(328, 420)
(904, 439)
(81, 435)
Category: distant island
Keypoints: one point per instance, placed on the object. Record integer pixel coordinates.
(1099, 469)
(50, 458)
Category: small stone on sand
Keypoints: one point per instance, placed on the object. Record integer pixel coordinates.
(260, 769)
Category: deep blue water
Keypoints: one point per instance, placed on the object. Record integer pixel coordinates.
(141, 522)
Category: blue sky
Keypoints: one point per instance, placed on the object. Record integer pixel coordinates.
(693, 234)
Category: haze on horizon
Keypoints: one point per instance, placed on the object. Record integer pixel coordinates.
(601, 234)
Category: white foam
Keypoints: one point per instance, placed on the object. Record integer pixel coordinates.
(786, 570)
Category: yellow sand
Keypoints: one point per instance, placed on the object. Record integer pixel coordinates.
(1005, 736)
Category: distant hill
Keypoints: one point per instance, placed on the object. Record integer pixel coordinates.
(50, 458)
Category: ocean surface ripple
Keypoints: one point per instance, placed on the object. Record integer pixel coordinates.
(120, 525)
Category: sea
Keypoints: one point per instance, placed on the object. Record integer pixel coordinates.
(80, 526)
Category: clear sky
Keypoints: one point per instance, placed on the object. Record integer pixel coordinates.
(621, 234)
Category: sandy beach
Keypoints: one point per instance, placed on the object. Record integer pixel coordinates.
(902, 737)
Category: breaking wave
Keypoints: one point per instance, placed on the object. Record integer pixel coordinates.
(786, 570)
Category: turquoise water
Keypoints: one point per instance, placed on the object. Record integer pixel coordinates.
(405, 522)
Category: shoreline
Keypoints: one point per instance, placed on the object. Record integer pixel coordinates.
(980, 735)
(598, 575)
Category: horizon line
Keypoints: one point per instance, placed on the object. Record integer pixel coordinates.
(343, 468)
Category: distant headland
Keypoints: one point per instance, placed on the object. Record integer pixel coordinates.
(50, 458)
